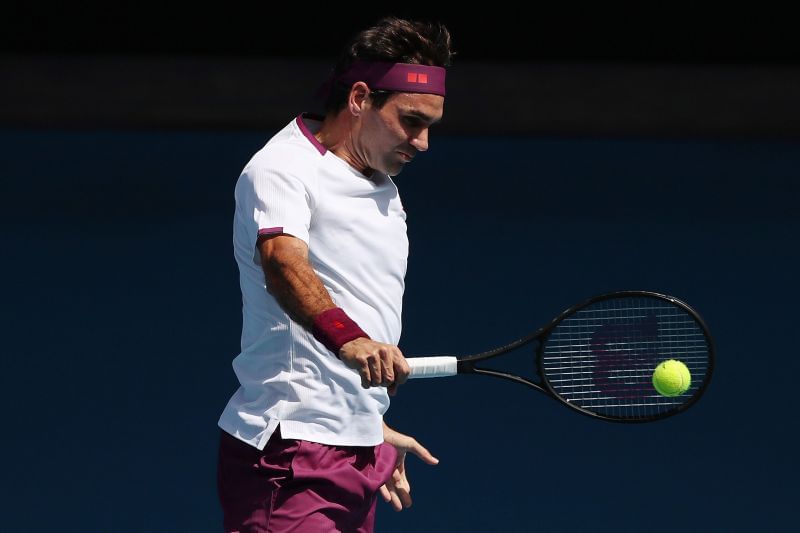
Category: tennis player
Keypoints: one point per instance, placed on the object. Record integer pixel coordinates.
(320, 241)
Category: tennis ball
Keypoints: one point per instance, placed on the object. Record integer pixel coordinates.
(671, 378)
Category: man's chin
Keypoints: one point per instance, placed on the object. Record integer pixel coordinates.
(395, 169)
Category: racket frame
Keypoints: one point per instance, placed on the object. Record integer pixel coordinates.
(467, 365)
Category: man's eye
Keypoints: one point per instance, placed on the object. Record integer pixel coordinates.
(412, 121)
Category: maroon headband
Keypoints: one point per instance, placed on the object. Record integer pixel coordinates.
(400, 77)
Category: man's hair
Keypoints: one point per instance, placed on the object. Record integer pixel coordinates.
(395, 40)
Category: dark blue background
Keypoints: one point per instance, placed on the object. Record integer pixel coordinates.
(121, 316)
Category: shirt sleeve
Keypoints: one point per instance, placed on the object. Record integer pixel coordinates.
(275, 202)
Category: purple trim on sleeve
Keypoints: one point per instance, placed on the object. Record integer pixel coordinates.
(307, 132)
(270, 231)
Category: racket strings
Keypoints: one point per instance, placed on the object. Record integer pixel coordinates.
(601, 358)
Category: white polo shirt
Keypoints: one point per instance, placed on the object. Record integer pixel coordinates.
(355, 228)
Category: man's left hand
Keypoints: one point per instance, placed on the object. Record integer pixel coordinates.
(397, 491)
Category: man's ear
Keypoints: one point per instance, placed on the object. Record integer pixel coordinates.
(357, 97)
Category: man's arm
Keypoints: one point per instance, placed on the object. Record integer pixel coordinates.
(292, 281)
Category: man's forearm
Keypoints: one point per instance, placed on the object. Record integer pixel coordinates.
(293, 282)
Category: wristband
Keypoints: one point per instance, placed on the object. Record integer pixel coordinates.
(334, 328)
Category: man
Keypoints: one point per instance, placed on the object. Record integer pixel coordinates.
(320, 241)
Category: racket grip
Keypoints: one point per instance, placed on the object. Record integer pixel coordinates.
(432, 367)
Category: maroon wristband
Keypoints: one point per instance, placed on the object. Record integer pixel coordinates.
(334, 329)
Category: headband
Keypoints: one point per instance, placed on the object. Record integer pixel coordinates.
(382, 75)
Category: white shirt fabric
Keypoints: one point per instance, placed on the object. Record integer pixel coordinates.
(355, 228)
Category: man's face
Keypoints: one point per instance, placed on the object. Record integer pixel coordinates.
(391, 136)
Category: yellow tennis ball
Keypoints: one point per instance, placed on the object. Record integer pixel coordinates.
(671, 378)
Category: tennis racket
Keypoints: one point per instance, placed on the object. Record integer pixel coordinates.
(598, 357)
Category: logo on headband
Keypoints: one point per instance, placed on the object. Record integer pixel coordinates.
(388, 76)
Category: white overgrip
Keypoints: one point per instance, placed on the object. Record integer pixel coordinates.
(432, 367)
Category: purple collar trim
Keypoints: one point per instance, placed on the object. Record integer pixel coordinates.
(307, 132)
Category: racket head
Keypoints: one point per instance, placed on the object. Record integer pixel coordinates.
(598, 357)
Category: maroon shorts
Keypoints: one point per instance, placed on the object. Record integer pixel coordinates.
(300, 486)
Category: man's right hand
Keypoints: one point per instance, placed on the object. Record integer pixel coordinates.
(379, 364)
